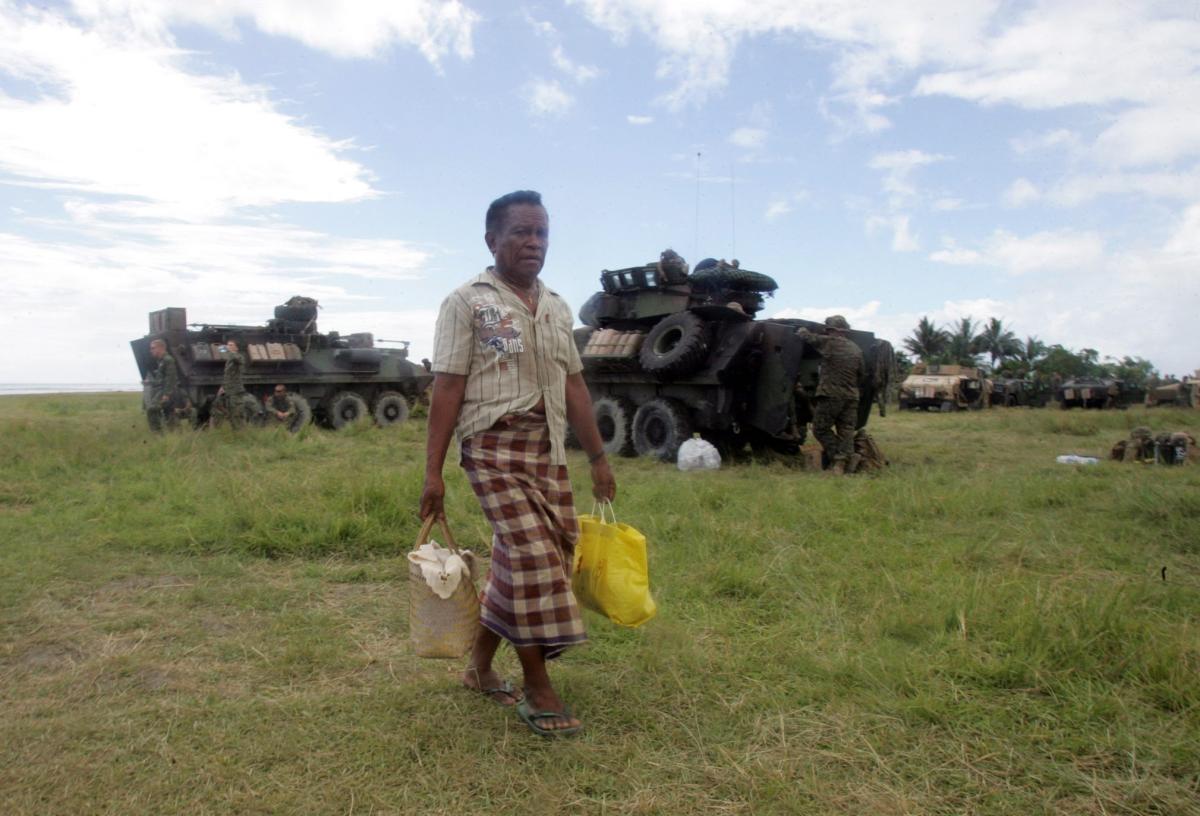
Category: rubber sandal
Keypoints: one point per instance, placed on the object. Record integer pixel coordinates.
(506, 688)
(531, 717)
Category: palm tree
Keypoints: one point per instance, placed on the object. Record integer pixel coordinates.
(1030, 353)
(961, 348)
(928, 342)
(997, 342)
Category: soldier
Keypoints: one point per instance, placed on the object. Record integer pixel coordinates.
(165, 396)
(231, 396)
(837, 391)
(283, 409)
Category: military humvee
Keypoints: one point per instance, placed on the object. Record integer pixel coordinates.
(1185, 393)
(1095, 392)
(667, 353)
(933, 386)
(338, 379)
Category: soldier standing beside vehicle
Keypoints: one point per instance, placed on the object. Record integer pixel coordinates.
(282, 407)
(231, 396)
(837, 391)
(164, 388)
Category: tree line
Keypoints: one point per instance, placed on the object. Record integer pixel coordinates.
(993, 346)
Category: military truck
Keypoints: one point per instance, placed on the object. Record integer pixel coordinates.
(1010, 392)
(668, 353)
(336, 379)
(1185, 393)
(1097, 392)
(943, 387)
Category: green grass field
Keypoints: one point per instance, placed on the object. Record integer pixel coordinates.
(216, 623)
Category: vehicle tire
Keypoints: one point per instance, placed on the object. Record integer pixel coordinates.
(947, 406)
(345, 408)
(391, 408)
(676, 346)
(728, 277)
(303, 414)
(660, 426)
(614, 418)
(903, 406)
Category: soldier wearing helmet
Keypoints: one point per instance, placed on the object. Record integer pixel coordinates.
(835, 412)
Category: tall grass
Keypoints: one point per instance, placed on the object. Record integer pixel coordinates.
(215, 622)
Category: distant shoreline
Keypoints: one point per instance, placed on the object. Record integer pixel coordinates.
(33, 389)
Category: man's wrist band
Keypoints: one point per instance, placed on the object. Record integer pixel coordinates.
(595, 457)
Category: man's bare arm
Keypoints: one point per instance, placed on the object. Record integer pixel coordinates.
(445, 402)
(583, 422)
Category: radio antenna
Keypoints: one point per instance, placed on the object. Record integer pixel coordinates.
(732, 213)
(696, 244)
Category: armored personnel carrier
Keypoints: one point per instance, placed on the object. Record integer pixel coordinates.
(668, 353)
(943, 388)
(1185, 393)
(1093, 392)
(336, 379)
(1010, 392)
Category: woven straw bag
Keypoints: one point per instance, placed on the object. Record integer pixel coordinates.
(441, 627)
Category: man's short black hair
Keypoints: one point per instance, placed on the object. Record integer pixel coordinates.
(498, 208)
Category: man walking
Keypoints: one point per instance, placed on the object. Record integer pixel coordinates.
(507, 381)
(165, 395)
(837, 391)
(230, 400)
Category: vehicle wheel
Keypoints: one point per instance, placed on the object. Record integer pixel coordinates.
(675, 347)
(660, 426)
(303, 414)
(948, 406)
(391, 408)
(903, 405)
(614, 418)
(345, 408)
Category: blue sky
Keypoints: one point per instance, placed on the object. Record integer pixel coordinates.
(1037, 162)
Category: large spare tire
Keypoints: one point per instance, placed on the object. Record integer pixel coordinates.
(724, 276)
(676, 346)
(614, 418)
(660, 426)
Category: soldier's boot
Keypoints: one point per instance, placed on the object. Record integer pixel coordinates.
(838, 468)
(853, 464)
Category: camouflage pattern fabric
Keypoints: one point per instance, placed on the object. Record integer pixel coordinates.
(287, 406)
(841, 365)
(870, 457)
(167, 401)
(830, 413)
(235, 363)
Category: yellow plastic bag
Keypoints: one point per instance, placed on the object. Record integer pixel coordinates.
(610, 574)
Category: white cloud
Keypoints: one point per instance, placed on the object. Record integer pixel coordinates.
(903, 240)
(1048, 251)
(120, 115)
(777, 209)
(360, 29)
(1041, 142)
(577, 72)
(1021, 192)
(900, 166)
(635, 119)
(546, 97)
(1074, 190)
(748, 138)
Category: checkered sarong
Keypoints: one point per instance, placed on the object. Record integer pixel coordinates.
(527, 597)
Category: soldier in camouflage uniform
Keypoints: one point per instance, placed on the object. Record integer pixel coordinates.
(837, 391)
(230, 401)
(166, 398)
(282, 408)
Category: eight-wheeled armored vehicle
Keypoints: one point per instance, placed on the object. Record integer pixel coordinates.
(1185, 393)
(1094, 392)
(668, 353)
(944, 388)
(336, 379)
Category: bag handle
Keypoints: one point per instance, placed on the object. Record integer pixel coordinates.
(606, 503)
(427, 528)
